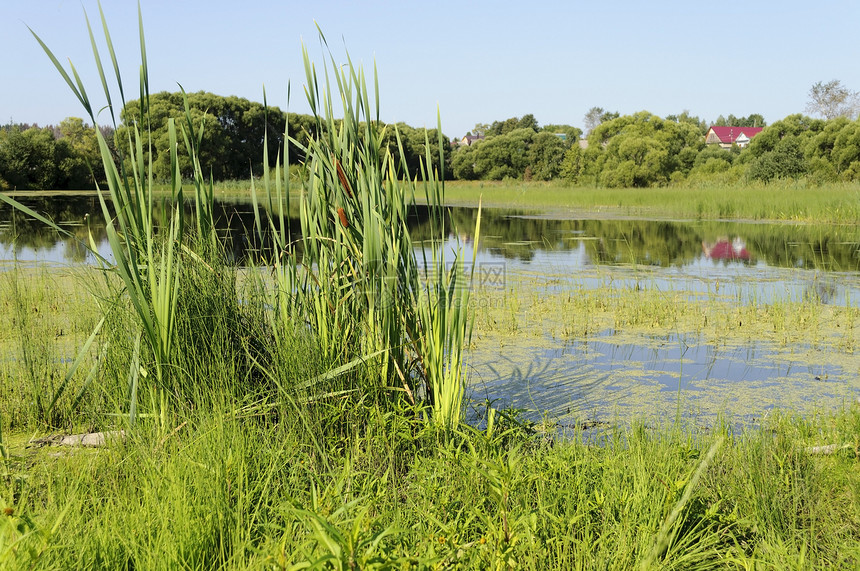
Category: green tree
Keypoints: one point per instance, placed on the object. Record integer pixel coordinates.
(572, 165)
(709, 152)
(504, 156)
(527, 121)
(233, 132)
(752, 120)
(685, 117)
(463, 161)
(784, 161)
(545, 156)
(414, 145)
(572, 134)
(845, 156)
(27, 159)
(793, 126)
(641, 150)
(480, 129)
(79, 158)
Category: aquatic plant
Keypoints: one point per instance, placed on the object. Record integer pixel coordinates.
(352, 277)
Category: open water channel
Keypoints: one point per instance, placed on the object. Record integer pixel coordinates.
(601, 377)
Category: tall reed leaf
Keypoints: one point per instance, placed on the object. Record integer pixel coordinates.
(353, 276)
(146, 258)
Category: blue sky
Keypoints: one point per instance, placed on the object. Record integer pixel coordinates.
(475, 61)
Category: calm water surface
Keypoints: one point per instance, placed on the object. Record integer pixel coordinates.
(602, 378)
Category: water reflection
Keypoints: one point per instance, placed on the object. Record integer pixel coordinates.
(748, 261)
(723, 249)
(511, 235)
(600, 378)
(606, 380)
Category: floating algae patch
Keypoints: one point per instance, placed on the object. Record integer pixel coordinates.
(565, 351)
(612, 379)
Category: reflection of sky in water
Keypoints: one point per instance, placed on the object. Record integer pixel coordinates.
(60, 253)
(702, 276)
(605, 380)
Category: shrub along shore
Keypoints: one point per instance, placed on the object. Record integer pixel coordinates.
(308, 412)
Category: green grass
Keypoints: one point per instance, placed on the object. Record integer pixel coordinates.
(380, 490)
(562, 308)
(239, 476)
(779, 201)
(49, 313)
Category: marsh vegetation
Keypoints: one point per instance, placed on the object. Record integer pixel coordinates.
(314, 404)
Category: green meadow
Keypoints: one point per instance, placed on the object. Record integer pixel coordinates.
(781, 200)
(788, 201)
(309, 411)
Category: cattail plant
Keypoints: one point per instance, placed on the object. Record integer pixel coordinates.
(356, 281)
(349, 276)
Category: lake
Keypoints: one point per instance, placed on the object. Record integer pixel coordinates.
(530, 270)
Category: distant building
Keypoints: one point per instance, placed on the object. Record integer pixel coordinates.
(727, 136)
(468, 140)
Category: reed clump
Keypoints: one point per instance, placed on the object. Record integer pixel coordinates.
(348, 279)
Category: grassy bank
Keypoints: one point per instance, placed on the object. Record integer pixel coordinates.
(258, 479)
(777, 201)
(219, 490)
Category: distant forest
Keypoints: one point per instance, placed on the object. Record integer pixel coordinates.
(637, 150)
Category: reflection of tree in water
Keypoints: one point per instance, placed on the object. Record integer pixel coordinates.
(513, 234)
(516, 235)
(80, 215)
(830, 248)
(70, 212)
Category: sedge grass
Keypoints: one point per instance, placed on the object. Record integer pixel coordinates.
(356, 280)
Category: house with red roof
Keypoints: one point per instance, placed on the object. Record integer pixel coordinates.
(728, 136)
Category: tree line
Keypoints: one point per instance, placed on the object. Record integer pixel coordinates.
(234, 133)
(59, 157)
(643, 150)
(635, 150)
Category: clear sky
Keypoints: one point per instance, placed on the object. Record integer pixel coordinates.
(477, 61)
